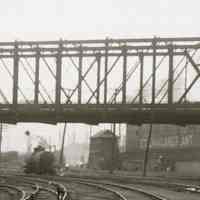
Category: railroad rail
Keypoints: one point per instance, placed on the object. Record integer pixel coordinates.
(178, 188)
(118, 190)
(138, 189)
(31, 190)
(10, 189)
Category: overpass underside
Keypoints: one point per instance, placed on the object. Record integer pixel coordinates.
(94, 114)
(129, 80)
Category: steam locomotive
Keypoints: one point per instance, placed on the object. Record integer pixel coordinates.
(41, 162)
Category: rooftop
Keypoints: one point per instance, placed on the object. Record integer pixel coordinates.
(103, 134)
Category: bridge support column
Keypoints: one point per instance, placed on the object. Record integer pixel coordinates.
(80, 76)
(15, 76)
(58, 78)
(124, 75)
(154, 72)
(98, 77)
(37, 65)
(141, 57)
(105, 73)
(170, 76)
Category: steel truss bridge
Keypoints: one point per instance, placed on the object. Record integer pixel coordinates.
(134, 81)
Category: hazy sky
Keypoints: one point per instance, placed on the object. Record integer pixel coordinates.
(76, 19)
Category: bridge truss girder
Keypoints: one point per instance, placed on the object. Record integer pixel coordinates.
(106, 56)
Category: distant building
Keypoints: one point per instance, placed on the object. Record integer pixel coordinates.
(163, 136)
(178, 144)
(101, 149)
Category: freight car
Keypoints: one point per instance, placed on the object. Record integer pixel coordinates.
(40, 162)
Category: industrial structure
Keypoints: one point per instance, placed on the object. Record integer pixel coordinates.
(104, 151)
(138, 63)
(179, 146)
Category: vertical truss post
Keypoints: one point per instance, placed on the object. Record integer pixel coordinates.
(15, 76)
(106, 72)
(154, 72)
(124, 75)
(186, 78)
(58, 77)
(170, 76)
(37, 66)
(98, 76)
(80, 76)
(141, 57)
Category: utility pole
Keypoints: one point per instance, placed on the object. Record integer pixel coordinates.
(113, 141)
(146, 156)
(63, 145)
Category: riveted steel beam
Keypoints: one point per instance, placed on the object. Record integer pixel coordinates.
(170, 76)
(15, 76)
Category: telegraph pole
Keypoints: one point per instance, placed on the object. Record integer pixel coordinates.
(63, 145)
(146, 156)
(113, 141)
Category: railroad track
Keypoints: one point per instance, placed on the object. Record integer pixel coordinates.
(85, 189)
(29, 189)
(118, 191)
(11, 192)
(157, 190)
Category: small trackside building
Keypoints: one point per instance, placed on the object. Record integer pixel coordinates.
(104, 151)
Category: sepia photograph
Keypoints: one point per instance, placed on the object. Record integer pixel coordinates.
(99, 100)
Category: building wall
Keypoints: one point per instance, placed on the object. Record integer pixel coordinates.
(100, 155)
(179, 145)
(132, 138)
(163, 136)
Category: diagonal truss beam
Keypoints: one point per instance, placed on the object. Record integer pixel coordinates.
(165, 83)
(54, 76)
(82, 76)
(194, 80)
(105, 77)
(40, 82)
(12, 77)
(30, 77)
(175, 79)
(129, 75)
(148, 80)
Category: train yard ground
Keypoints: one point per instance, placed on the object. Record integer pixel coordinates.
(82, 186)
(128, 174)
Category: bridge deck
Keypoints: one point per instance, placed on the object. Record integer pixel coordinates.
(94, 114)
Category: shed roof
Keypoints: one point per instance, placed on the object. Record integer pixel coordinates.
(103, 134)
